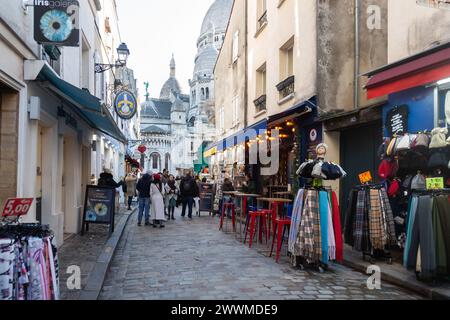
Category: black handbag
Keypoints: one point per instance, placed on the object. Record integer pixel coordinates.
(331, 170)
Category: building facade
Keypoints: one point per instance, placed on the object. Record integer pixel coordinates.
(55, 120)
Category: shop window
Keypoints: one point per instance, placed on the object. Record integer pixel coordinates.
(207, 93)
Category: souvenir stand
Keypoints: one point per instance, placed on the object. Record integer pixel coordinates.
(315, 237)
(28, 258)
(415, 172)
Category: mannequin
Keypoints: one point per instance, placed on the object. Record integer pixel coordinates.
(321, 151)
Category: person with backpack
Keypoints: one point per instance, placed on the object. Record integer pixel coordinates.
(188, 190)
(143, 188)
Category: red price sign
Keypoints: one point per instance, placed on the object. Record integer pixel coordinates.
(16, 207)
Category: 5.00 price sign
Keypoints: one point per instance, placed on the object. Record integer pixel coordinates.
(16, 207)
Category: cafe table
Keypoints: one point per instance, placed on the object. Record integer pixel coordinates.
(243, 210)
(283, 194)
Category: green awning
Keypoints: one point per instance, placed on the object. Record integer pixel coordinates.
(86, 105)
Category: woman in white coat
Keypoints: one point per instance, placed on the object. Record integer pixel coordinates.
(157, 195)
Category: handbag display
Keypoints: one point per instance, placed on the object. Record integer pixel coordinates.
(421, 142)
(438, 160)
(438, 138)
(391, 147)
(404, 143)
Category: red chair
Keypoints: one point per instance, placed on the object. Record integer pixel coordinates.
(275, 208)
(281, 225)
(225, 208)
(262, 221)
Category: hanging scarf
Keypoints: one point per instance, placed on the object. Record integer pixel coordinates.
(295, 222)
(323, 206)
(360, 228)
(390, 223)
(331, 239)
(309, 235)
(377, 233)
(337, 229)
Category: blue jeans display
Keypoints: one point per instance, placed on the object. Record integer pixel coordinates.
(144, 209)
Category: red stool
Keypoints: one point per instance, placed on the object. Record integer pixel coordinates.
(225, 208)
(254, 215)
(268, 215)
(281, 225)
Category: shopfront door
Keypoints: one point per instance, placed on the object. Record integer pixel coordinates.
(359, 147)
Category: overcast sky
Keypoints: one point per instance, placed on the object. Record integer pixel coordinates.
(153, 29)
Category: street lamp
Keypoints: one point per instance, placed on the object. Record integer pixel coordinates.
(123, 52)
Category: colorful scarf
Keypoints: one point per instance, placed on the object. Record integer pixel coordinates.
(360, 229)
(390, 228)
(323, 205)
(337, 229)
(308, 241)
(377, 234)
(295, 222)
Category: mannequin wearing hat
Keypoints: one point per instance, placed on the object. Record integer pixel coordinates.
(321, 151)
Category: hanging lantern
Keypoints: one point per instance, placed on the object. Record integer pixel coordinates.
(142, 149)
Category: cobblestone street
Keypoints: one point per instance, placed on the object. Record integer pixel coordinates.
(193, 260)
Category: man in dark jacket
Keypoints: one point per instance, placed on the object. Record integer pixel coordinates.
(107, 180)
(188, 190)
(143, 188)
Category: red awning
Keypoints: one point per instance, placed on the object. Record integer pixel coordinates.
(423, 69)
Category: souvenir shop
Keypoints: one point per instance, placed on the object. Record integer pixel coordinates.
(409, 211)
(28, 263)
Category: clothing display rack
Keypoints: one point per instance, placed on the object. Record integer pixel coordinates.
(427, 249)
(369, 222)
(28, 262)
(315, 237)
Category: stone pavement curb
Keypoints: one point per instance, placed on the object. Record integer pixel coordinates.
(97, 276)
(397, 275)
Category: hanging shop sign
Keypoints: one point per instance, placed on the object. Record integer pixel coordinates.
(142, 149)
(435, 183)
(397, 120)
(125, 105)
(99, 207)
(56, 22)
(17, 207)
(365, 177)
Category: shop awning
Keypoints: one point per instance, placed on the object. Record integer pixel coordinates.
(86, 105)
(305, 107)
(421, 69)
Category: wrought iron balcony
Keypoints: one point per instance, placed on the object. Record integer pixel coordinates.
(260, 103)
(286, 87)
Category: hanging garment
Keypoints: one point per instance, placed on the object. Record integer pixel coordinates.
(447, 107)
(331, 238)
(443, 205)
(388, 218)
(411, 216)
(360, 229)
(323, 208)
(295, 222)
(38, 281)
(21, 273)
(309, 240)
(7, 258)
(422, 235)
(337, 228)
(377, 233)
(349, 218)
(438, 233)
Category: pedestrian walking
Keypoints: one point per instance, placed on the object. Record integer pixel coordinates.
(164, 180)
(130, 182)
(188, 191)
(143, 187)
(107, 180)
(157, 205)
(197, 196)
(172, 192)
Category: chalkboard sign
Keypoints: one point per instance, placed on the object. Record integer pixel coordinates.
(397, 120)
(206, 197)
(99, 207)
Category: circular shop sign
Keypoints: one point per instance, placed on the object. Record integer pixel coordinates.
(125, 105)
(313, 135)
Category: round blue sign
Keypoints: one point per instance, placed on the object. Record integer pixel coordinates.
(125, 105)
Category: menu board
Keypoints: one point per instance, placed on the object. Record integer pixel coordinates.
(99, 206)
(206, 197)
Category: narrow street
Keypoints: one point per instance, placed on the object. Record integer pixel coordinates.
(192, 260)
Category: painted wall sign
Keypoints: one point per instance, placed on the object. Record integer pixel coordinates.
(397, 120)
(125, 105)
(57, 22)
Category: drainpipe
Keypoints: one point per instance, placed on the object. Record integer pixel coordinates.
(246, 66)
(357, 54)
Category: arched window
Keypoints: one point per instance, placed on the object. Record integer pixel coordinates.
(207, 93)
(155, 160)
(167, 160)
(203, 93)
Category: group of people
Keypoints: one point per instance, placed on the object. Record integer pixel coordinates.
(158, 194)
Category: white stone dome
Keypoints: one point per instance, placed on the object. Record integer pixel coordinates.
(216, 19)
(204, 64)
